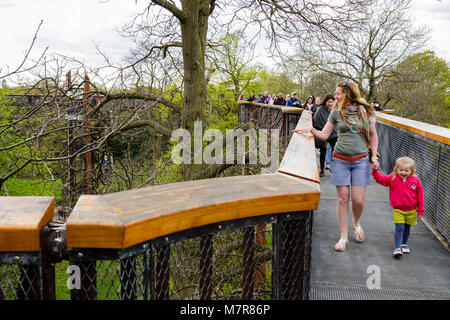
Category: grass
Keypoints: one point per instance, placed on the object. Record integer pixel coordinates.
(61, 276)
(34, 187)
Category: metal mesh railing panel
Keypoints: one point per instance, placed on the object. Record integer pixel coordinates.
(230, 262)
(20, 281)
(120, 279)
(432, 167)
(293, 246)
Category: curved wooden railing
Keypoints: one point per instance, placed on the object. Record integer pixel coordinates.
(152, 240)
(133, 225)
(426, 130)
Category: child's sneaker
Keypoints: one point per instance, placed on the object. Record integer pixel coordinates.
(404, 248)
(397, 252)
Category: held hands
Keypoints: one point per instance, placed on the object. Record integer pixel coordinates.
(375, 164)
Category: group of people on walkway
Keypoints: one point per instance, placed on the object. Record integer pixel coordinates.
(347, 122)
(291, 100)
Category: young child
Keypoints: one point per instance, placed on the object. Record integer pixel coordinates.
(406, 198)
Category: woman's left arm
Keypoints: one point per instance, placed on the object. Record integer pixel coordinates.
(374, 146)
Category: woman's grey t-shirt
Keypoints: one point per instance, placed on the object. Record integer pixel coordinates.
(348, 144)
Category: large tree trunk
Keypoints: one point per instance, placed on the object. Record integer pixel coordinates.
(194, 29)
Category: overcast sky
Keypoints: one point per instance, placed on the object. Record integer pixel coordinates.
(71, 27)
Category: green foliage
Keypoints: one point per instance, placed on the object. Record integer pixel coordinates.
(273, 82)
(419, 89)
(34, 187)
(61, 277)
(320, 84)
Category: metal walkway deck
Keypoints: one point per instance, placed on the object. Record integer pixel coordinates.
(423, 274)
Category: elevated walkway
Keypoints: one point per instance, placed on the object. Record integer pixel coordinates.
(423, 274)
(267, 236)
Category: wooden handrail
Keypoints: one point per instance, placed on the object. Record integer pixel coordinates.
(427, 130)
(21, 219)
(300, 158)
(274, 106)
(123, 219)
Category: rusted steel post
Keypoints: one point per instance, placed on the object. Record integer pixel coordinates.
(276, 262)
(248, 261)
(239, 113)
(206, 268)
(88, 140)
(48, 269)
(70, 160)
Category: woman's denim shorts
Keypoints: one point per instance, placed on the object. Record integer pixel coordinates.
(354, 173)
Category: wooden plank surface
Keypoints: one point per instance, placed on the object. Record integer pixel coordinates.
(427, 130)
(122, 219)
(300, 157)
(21, 219)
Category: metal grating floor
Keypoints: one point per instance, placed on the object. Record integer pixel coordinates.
(424, 274)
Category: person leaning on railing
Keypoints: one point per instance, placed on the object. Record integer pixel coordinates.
(293, 101)
(350, 166)
(310, 105)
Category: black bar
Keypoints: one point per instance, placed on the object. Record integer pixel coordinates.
(248, 261)
(276, 261)
(162, 273)
(146, 275)
(48, 269)
(293, 257)
(308, 256)
(128, 278)
(151, 272)
(206, 269)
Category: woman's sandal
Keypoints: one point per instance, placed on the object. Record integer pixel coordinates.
(358, 233)
(341, 245)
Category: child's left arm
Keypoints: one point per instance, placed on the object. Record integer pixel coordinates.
(420, 202)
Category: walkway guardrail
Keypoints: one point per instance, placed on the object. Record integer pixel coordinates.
(246, 237)
(428, 145)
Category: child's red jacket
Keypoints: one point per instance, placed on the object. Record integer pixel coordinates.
(404, 196)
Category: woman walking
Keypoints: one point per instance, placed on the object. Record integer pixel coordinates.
(350, 166)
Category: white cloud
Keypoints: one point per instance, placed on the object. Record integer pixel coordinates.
(70, 27)
(436, 15)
